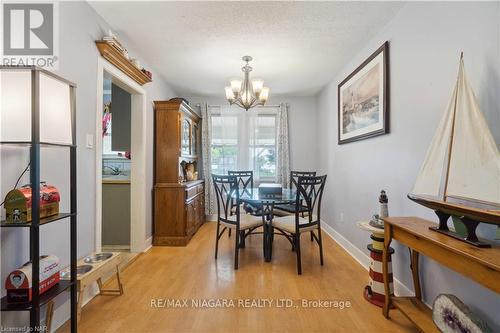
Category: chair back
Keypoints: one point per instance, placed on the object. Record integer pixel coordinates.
(294, 176)
(244, 180)
(309, 195)
(226, 190)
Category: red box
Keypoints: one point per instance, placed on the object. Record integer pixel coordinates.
(19, 282)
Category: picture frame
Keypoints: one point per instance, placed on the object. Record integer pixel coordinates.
(363, 99)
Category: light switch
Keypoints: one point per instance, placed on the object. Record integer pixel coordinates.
(90, 141)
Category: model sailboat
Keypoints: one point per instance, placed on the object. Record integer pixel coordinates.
(461, 173)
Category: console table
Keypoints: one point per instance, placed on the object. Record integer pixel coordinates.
(479, 264)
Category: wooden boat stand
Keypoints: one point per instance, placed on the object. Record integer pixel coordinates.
(470, 225)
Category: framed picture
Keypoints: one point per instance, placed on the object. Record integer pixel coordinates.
(363, 99)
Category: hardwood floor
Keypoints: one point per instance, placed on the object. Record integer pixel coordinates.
(185, 273)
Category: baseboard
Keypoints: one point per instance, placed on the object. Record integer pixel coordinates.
(362, 258)
(211, 218)
(115, 247)
(148, 244)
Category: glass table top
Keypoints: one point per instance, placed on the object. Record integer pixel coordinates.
(287, 196)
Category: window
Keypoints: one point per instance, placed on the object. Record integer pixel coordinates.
(245, 140)
(224, 144)
(262, 147)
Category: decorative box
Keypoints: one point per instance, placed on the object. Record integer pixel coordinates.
(18, 203)
(270, 190)
(18, 282)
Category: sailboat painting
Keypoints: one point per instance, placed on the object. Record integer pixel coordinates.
(460, 176)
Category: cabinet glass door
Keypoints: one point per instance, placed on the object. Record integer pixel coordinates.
(194, 140)
(185, 137)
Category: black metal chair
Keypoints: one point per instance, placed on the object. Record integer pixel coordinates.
(226, 189)
(244, 180)
(309, 193)
(292, 208)
(245, 185)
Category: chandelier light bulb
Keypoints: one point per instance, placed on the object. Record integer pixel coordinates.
(229, 94)
(236, 86)
(257, 85)
(264, 94)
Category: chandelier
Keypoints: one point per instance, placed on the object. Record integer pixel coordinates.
(247, 94)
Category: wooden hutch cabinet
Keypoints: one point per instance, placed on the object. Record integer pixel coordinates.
(179, 203)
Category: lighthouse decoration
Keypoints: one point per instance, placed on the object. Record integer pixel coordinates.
(374, 292)
(384, 210)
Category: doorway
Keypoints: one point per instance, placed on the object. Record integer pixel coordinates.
(129, 168)
(116, 162)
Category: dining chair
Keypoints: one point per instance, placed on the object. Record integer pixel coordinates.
(309, 193)
(245, 185)
(291, 208)
(226, 189)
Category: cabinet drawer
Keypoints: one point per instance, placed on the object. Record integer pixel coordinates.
(191, 192)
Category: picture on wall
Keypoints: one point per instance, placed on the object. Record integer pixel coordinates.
(363, 99)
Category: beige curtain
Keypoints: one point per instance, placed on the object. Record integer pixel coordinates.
(206, 142)
(282, 146)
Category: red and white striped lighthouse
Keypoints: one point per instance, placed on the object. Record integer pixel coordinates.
(374, 292)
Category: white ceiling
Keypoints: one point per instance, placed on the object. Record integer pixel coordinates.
(297, 47)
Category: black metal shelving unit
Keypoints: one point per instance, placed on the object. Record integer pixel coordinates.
(34, 145)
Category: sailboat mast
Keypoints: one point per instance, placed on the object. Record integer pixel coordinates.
(452, 134)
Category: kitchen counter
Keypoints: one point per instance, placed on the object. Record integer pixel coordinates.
(115, 181)
(112, 179)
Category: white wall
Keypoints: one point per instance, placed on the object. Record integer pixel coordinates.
(301, 125)
(425, 44)
(80, 26)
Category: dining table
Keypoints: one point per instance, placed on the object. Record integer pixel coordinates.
(266, 204)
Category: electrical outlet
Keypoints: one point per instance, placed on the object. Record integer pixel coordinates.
(341, 217)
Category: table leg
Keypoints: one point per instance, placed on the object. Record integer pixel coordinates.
(385, 267)
(414, 272)
(268, 245)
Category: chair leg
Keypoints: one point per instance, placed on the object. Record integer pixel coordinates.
(320, 243)
(312, 236)
(217, 240)
(236, 248)
(229, 234)
(242, 239)
(297, 250)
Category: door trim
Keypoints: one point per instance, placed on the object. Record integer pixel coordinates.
(138, 181)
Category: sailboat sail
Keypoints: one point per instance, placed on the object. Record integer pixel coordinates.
(463, 160)
(430, 178)
(475, 160)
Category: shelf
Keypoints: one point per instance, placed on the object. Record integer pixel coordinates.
(43, 144)
(115, 57)
(43, 221)
(44, 298)
(416, 312)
